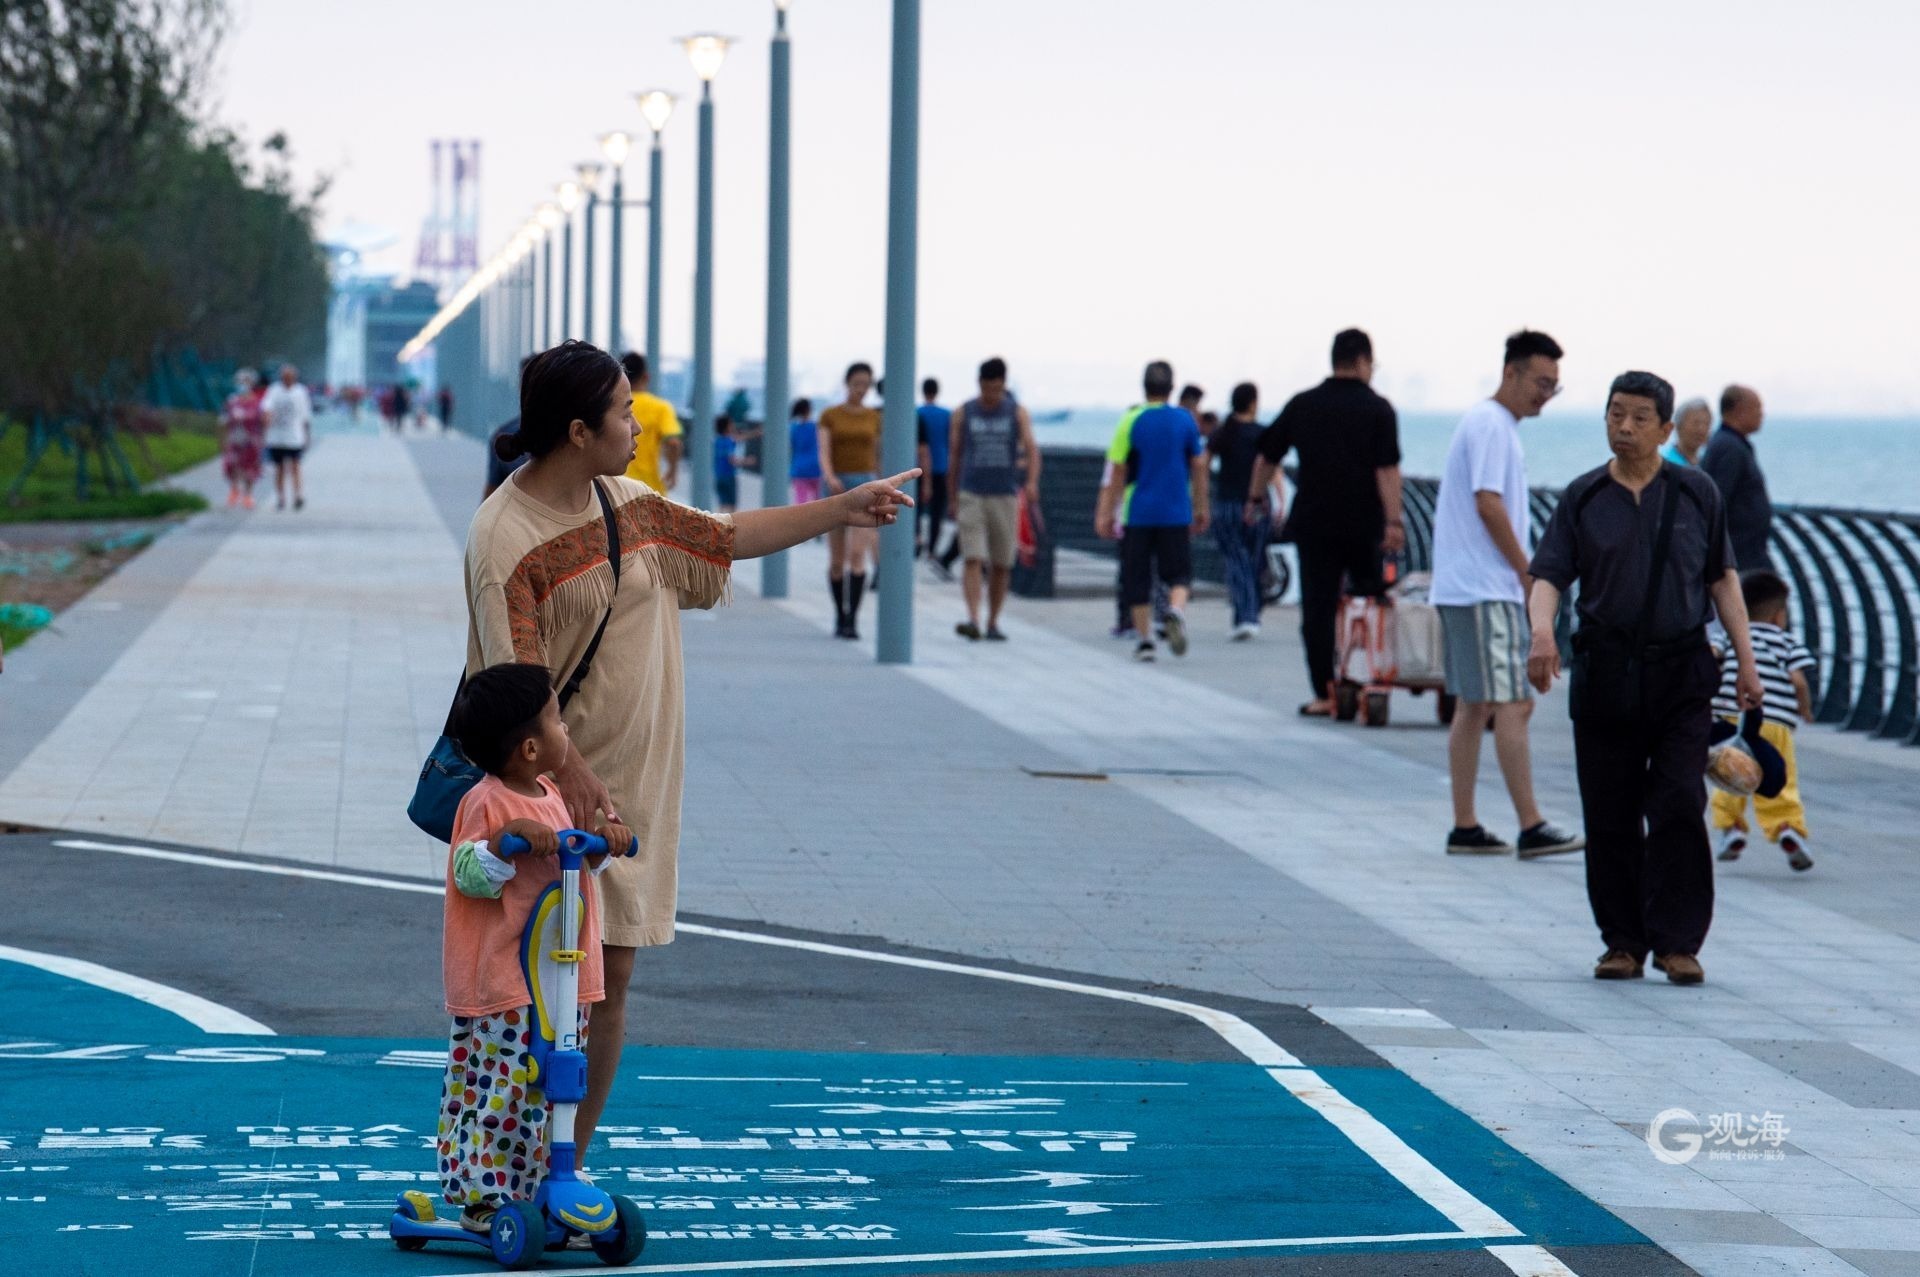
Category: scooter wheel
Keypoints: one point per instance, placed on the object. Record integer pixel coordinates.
(518, 1237)
(410, 1243)
(626, 1248)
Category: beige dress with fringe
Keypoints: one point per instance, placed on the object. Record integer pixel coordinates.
(537, 585)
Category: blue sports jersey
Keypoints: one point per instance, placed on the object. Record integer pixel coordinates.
(1162, 444)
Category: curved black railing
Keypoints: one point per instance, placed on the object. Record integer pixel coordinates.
(1856, 586)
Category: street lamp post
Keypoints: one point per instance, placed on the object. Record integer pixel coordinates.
(615, 145)
(590, 184)
(775, 441)
(706, 52)
(549, 218)
(655, 105)
(568, 195)
(897, 436)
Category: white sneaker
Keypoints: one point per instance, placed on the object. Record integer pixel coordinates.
(1732, 843)
(1245, 630)
(1797, 851)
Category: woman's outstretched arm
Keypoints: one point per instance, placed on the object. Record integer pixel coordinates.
(871, 505)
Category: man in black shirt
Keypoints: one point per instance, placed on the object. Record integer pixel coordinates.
(1647, 542)
(1729, 461)
(1346, 508)
(1241, 516)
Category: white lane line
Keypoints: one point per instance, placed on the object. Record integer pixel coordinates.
(1530, 1261)
(664, 1077)
(1019, 1081)
(1427, 1181)
(1393, 1154)
(851, 1261)
(1237, 1033)
(210, 1017)
(278, 871)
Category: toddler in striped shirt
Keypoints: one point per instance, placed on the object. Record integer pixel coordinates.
(1784, 661)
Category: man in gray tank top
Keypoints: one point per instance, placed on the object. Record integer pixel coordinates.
(987, 474)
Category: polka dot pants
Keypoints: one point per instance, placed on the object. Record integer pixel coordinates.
(493, 1123)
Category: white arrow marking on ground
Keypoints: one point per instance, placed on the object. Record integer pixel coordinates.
(938, 1107)
(1067, 1237)
(1072, 1208)
(1052, 1179)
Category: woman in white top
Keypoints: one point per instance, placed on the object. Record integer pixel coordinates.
(289, 416)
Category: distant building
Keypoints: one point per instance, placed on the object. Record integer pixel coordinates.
(368, 321)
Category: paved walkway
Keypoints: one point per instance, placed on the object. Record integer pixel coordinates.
(1233, 849)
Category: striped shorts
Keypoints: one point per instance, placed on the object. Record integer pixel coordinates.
(1487, 652)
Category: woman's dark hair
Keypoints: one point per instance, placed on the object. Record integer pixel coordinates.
(1245, 396)
(802, 408)
(570, 382)
(496, 710)
(853, 368)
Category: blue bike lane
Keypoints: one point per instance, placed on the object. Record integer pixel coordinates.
(130, 1138)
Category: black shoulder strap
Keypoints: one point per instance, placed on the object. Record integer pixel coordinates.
(580, 671)
(1661, 541)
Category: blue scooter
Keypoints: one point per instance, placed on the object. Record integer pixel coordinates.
(564, 1205)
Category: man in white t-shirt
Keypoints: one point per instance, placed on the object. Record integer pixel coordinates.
(1480, 526)
(288, 412)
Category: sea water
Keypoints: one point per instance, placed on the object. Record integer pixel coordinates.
(1870, 463)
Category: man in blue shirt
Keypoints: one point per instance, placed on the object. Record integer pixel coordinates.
(935, 422)
(1159, 489)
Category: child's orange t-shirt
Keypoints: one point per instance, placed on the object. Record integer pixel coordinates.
(480, 951)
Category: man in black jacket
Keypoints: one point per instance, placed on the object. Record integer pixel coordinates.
(1647, 543)
(1730, 463)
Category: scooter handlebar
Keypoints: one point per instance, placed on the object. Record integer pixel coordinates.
(578, 841)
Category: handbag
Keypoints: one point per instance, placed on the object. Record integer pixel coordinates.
(1607, 683)
(448, 773)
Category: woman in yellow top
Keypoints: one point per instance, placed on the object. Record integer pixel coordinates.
(539, 586)
(849, 457)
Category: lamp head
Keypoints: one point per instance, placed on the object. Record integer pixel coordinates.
(706, 51)
(567, 194)
(655, 105)
(549, 216)
(589, 171)
(616, 146)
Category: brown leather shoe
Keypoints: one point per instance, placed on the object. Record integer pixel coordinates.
(1618, 964)
(1681, 968)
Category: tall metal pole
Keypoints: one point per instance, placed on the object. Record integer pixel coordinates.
(700, 429)
(527, 329)
(566, 278)
(898, 442)
(586, 274)
(613, 260)
(546, 292)
(774, 443)
(653, 264)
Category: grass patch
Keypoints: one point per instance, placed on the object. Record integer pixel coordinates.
(188, 440)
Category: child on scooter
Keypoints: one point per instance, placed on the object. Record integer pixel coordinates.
(492, 1122)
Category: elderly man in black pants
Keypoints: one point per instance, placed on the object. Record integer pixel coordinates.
(1647, 541)
(1346, 509)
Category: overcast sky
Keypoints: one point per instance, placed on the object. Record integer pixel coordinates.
(1714, 189)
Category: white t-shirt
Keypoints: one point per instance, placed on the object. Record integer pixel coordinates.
(288, 412)
(1485, 456)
